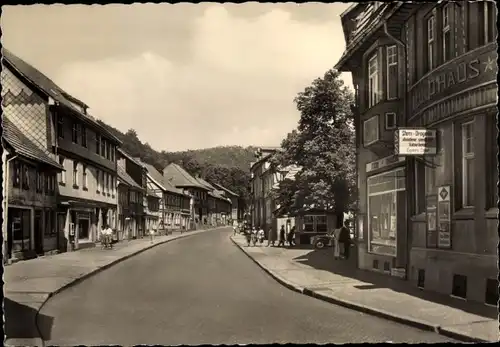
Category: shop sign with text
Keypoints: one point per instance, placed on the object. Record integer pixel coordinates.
(415, 142)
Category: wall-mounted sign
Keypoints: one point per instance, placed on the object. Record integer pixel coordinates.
(384, 162)
(431, 218)
(444, 217)
(415, 141)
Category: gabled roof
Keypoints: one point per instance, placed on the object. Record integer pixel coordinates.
(49, 88)
(125, 178)
(159, 179)
(129, 157)
(205, 183)
(180, 177)
(225, 189)
(24, 146)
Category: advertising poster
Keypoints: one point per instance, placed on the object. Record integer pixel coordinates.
(444, 217)
(431, 218)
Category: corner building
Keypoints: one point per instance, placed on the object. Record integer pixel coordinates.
(430, 219)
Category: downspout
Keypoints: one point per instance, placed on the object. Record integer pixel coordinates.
(6, 203)
(409, 164)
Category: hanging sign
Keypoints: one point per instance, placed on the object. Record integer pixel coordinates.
(415, 141)
(444, 217)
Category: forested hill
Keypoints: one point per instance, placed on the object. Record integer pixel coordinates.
(227, 165)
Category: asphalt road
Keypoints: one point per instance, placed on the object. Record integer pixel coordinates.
(204, 290)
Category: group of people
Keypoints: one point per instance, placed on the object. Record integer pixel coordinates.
(342, 242)
(256, 236)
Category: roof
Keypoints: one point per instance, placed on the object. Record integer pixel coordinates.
(180, 177)
(48, 87)
(125, 177)
(152, 193)
(205, 183)
(158, 177)
(225, 189)
(24, 146)
(129, 157)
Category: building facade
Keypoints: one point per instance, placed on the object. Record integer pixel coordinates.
(29, 196)
(430, 217)
(58, 124)
(236, 203)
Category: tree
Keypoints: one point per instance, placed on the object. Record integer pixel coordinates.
(322, 146)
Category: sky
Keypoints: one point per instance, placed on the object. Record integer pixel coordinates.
(184, 76)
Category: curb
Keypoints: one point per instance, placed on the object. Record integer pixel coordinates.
(364, 309)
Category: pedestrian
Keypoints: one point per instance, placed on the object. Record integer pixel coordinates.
(235, 227)
(152, 234)
(281, 242)
(271, 237)
(345, 240)
(248, 235)
(336, 244)
(261, 235)
(254, 236)
(108, 232)
(291, 237)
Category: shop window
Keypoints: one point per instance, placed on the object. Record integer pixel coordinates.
(373, 80)
(371, 130)
(390, 121)
(20, 224)
(16, 174)
(62, 174)
(375, 264)
(97, 144)
(84, 177)
(84, 136)
(446, 32)
(308, 225)
(75, 132)
(392, 72)
(26, 177)
(459, 288)
(75, 174)
(421, 278)
(468, 163)
(431, 43)
(387, 266)
(491, 295)
(60, 126)
(383, 211)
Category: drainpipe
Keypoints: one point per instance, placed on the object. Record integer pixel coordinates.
(409, 164)
(6, 203)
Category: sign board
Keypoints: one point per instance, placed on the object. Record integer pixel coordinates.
(415, 141)
(431, 221)
(444, 217)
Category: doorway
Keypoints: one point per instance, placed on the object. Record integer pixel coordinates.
(83, 229)
(38, 232)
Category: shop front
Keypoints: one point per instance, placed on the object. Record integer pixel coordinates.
(384, 250)
(20, 236)
(311, 224)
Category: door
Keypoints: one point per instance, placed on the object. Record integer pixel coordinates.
(83, 229)
(38, 232)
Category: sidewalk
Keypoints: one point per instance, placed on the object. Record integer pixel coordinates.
(315, 273)
(28, 284)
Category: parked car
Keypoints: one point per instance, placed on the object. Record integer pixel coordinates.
(322, 241)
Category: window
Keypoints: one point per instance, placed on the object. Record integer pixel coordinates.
(97, 144)
(16, 174)
(390, 121)
(373, 81)
(430, 180)
(308, 224)
(491, 292)
(75, 174)
(84, 136)
(106, 182)
(392, 72)
(39, 182)
(491, 151)
(26, 177)
(459, 286)
(384, 194)
(487, 21)
(447, 50)
(84, 177)
(60, 126)
(49, 223)
(430, 43)
(370, 131)
(62, 174)
(468, 164)
(98, 180)
(112, 156)
(76, 132)
(321, 224)
(103, 147)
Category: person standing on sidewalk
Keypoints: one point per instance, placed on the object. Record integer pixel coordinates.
(291, 237)
(336, 244)
(345, 240)
(271, 237)
(281, 242)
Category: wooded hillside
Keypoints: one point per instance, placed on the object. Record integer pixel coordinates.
(228, 165)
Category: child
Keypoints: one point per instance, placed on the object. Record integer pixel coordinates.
(261, 236)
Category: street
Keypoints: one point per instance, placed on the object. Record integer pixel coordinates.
(204, 290)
